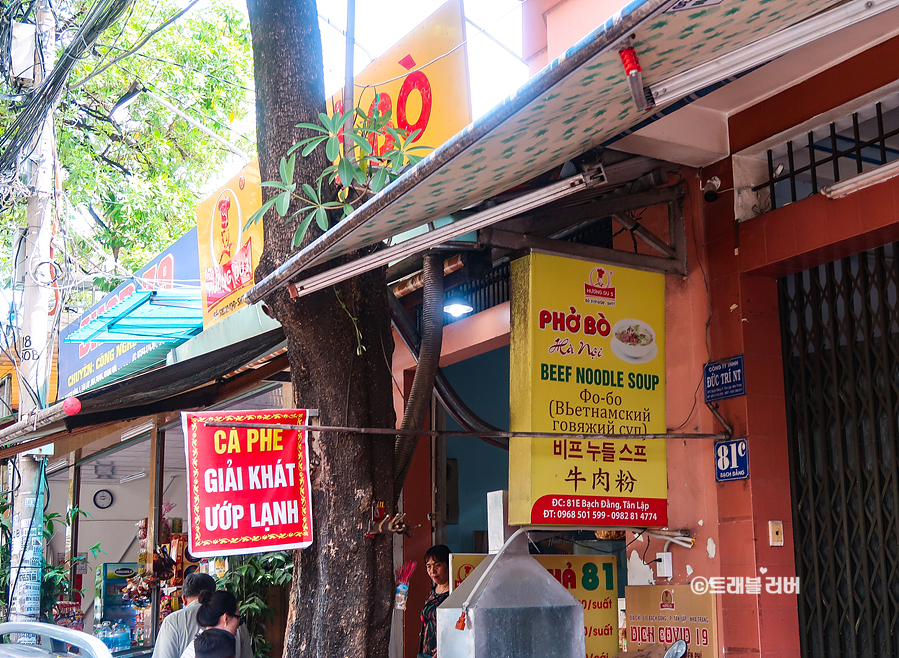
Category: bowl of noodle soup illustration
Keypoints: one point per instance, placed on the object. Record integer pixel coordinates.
(634, 338)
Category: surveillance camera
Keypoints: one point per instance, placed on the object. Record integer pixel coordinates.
(710, 189)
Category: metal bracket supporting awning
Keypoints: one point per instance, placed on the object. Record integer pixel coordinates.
(513, 208)
(519, 234)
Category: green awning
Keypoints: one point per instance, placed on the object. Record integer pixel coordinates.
(147, 316)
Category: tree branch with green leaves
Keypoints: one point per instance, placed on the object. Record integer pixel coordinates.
(358, 176)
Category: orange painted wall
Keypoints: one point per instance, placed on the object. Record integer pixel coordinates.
(746, 321)
(840, 84)
(6, 368)
(464, 339)
(549, 27)
(416, 502)
(744, 262)
(692, 503)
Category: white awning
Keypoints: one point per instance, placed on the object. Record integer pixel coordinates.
(579, 101)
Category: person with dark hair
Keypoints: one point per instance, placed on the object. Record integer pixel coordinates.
(179, 629)
(437, 564)
(218, 610)
(214, 643)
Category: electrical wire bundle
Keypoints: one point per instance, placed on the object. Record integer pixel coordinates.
(19, 137)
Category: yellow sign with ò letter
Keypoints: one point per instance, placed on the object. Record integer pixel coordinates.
(422, 81)
(587, 358)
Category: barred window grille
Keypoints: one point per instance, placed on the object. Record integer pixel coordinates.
(857, 143)
(494, 288)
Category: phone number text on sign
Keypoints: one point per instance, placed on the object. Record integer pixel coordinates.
(575, 510)
(248, 484)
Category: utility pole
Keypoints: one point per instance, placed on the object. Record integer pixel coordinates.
(28, 494)
(349, 101)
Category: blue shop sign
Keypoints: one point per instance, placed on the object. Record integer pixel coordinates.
(724, 379)
(87, 365)
(731, 460)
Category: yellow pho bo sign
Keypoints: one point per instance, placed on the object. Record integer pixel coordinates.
(587, 357)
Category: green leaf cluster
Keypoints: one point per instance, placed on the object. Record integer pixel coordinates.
(358, 174)
(143, 171)
(249, 578)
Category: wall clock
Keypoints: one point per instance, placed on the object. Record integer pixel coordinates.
(103, 498)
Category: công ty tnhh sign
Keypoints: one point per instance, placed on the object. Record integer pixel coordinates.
(724, 379)
(248, 485)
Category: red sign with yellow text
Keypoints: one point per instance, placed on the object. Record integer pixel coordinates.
(422, 81)
(248, 484)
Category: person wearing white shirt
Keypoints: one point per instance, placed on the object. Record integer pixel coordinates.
(179, 629)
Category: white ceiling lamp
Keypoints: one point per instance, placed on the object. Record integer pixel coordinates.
(457, 306)
(861, 181)
(767, 49)
(137, 430)
(133, 476)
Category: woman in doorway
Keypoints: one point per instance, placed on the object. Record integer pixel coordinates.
(437, 565)
(217, 610)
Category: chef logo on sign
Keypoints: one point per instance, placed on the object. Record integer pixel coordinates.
(667, 602)
(462, 573)
(599, 289)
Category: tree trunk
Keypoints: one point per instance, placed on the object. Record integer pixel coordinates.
(340, 347)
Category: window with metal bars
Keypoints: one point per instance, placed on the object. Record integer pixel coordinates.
(859, 142)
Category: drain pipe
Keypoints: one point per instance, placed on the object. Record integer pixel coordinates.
(419, 401)
(448, 397)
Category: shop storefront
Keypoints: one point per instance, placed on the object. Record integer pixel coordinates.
(174, 337)
(713, 511)
(112, 480)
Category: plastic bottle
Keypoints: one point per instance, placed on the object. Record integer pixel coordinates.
(123, 636)
(104, 634)
(117, 636)
(114, 637)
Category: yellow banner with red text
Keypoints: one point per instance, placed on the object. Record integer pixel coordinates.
(587, 358)
(422, 80)
(591, 579)
(228, 253)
